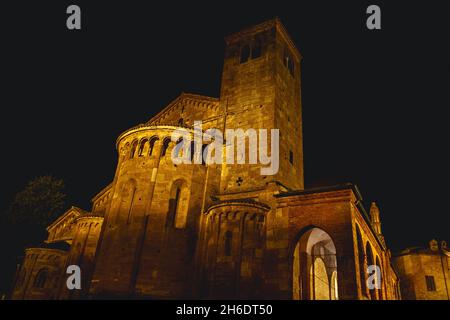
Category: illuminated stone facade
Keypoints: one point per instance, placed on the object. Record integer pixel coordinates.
(424, 272)
(72, 239)
(222, 230)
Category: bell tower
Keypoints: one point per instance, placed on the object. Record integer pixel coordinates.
(260, 89)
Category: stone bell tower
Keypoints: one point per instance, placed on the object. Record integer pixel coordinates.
(261, 90)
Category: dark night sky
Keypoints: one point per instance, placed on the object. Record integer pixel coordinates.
(374, 103)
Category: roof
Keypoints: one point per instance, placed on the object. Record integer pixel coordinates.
(188, 97)
(338, 187)
(79, 211)
(245, 201)
(346, 186)
(184, 97)
(422, 250)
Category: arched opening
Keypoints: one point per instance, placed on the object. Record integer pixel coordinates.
(178, 205)
(315, 267)
(143, 146)
(179, 148)
(41, 278)
(165, 146)
(370, 262)
(152, 145)
(133, 149)
(361, 263)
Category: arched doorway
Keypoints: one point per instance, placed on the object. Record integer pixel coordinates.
(315, 267)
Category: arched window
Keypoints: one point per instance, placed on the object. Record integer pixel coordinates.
(228, 243)
(133, 149)
(165, 146)
(245, 53)
(180, 122)
(41, 278)
(179, 147)
(152, 145)
(178, 205)
(143, 147)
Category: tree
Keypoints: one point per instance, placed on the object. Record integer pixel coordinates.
(39, 203)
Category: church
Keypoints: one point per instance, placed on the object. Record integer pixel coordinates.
(162, 230)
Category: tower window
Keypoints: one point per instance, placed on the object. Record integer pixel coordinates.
(228, 241)
(291, 157)
(256, 49)
(251, 50)
(431, 285)
(288, 61)
(245, 53)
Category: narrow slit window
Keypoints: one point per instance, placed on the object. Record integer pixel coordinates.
(431, 285)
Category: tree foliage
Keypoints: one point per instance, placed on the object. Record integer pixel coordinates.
(39, 203)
